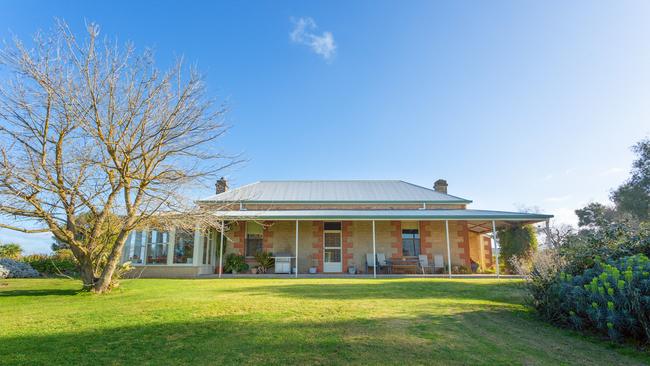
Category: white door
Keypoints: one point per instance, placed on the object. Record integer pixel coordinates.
(332, 255)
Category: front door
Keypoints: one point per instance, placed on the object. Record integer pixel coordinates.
(332, 247)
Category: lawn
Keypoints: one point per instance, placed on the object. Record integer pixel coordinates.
(303, 321)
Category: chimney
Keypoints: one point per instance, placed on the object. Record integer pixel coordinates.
(440, 186)
(221, 185)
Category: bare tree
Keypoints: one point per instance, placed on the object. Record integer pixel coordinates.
(93, 138)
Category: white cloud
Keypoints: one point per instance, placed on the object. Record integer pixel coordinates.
(304, 32)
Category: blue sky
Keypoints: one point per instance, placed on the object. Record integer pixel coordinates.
(514, 103)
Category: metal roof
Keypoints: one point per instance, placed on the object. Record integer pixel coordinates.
(334, 191)
(382, 215)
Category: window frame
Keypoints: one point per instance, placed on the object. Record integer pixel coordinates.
(414, 239)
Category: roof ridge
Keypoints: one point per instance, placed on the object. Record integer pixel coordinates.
(433, 190)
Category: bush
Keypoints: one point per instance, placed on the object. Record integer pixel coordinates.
(612, 298)
(56, 264)
(11, 251)
(235, 263)
(516, 241)
(264, 261)
(10, 268)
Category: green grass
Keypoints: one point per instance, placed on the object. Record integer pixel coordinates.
(304, 321)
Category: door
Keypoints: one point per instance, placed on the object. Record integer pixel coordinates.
(332, 247)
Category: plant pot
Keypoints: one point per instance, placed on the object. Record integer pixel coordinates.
(234, 272)
(313, 270)
(254, 270)
(352, 270)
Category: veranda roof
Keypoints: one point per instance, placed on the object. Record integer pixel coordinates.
(483, 215)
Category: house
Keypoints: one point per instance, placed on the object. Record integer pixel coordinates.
(329, 226)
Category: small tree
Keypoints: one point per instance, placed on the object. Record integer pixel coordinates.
(95, 141)
(12, 251)
(517, 241)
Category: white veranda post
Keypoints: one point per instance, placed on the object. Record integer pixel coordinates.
(296, 248)
(374, 251)
(496, 247)
(223, 228)
(448, 246)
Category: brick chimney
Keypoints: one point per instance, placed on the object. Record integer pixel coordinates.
(440, 186)
(221, 185)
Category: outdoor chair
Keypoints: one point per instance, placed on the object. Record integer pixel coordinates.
(382, 263)
(424, 264)
(438, 262)
(370, 261)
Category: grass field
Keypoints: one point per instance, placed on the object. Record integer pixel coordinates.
(271, 321)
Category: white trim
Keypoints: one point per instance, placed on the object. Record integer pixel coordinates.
(374, 251)
(221, 249)
(296, 250)
(496, 245)
(340, 247)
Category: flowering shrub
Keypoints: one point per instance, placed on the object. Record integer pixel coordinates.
(612, 298)
(10, 268)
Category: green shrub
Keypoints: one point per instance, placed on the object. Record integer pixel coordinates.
(56, 264)
(612, 298)
(516, 241)
(235, 263)
(264, 261)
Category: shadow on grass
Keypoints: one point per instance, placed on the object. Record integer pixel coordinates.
(504, 292)
(43, 292)
(479, 337)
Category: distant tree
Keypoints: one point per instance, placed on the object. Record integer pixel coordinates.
(596, 215)
(519, 241)
(633, 197)
(11, 250)
(91, 132)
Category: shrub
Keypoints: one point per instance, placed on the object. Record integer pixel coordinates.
(235, 263)
(10, 268)
(519, 241)
(11, 251)
(612, 298)
(264, 261)
(56, 264)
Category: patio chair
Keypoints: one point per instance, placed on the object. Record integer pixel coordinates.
(424, 264)
(438, 262)
(370, 261)
(382, 262)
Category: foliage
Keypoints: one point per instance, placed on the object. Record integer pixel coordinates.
(264, 261)
(633, 197)
(60, 263)
(11, 251)
(596, 215)
(612, 298)
(235, 263)
(581, 250)
(10, 268)
(519, 241)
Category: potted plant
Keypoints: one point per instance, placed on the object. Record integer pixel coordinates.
(254, 270)
(264, 261)
(235, 263)
(352, 270)
(314, 266)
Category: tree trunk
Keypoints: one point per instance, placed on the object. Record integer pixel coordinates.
(87, 273)
(103, 283)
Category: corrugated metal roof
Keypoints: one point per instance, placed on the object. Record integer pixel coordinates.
(383, 215)
(334, 191)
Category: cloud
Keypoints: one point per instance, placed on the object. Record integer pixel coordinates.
(304, 32)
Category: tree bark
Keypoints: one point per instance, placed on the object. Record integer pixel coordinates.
(103, 283)
(87, 273)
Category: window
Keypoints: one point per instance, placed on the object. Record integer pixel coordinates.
(331, 226)
(208, 239)
(410, 242)
(184, 246)
(133, 248)
(157, 242)
(254, 238)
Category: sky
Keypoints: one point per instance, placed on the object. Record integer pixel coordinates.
(514, 103)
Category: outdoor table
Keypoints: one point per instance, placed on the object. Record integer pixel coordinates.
(404, 265)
